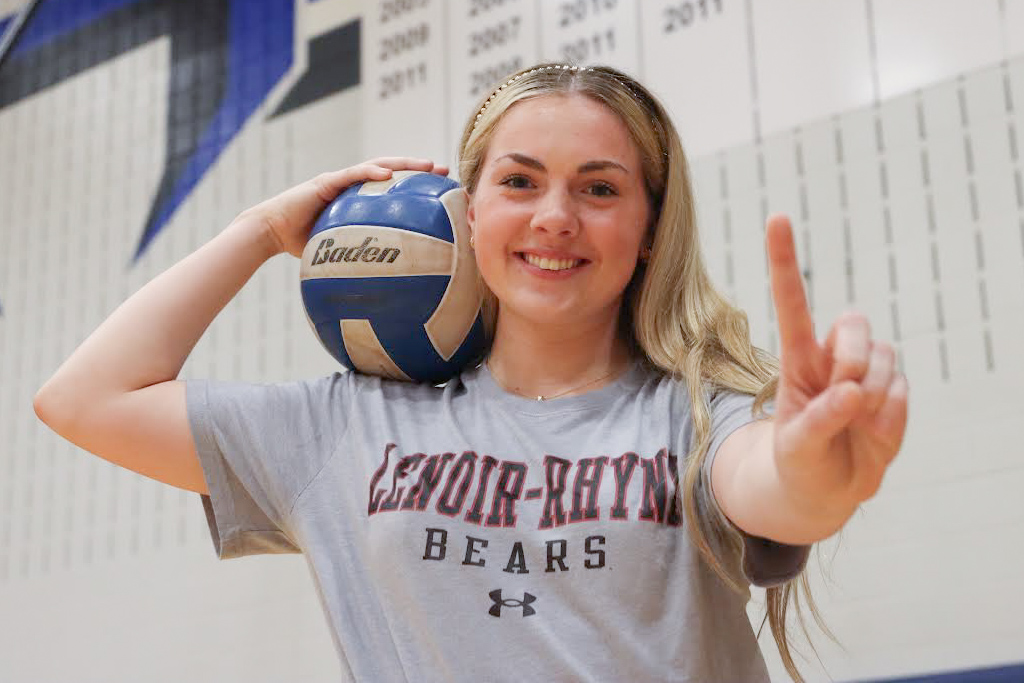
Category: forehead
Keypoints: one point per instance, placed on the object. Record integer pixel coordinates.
(570, 123)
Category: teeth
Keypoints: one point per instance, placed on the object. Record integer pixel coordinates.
(550, 264)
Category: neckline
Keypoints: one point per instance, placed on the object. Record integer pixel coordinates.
(491, 390)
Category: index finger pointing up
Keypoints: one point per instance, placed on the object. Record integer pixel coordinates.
(796, 327)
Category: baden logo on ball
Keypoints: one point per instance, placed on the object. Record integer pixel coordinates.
(389, 281)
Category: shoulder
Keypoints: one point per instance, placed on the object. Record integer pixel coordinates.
(371, 391)
(706, 403)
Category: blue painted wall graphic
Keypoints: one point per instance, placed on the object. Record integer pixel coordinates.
(226, 56)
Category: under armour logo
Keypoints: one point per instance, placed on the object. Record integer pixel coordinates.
(500, 602)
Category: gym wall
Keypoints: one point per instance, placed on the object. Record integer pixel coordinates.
(131, 131)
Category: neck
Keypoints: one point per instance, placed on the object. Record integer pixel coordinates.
(555, 360)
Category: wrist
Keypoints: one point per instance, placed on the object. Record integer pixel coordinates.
(816, 512)
(257, 233)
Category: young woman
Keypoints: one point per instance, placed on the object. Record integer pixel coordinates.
(592, 501)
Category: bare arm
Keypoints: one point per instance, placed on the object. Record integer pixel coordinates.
(841, 412)
(748, 488)
(117, 395)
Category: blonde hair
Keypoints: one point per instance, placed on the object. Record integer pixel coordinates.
(672, 315)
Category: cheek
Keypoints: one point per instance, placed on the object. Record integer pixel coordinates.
(490, 239)
(622, 245)
(495, 228)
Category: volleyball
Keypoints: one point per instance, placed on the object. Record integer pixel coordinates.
(389, 282)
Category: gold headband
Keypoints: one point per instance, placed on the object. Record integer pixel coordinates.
(553, 67)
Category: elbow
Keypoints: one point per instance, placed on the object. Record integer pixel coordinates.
(50, 409)
(42, 404)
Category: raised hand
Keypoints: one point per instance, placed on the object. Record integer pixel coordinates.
(841, 406)
(289, 216)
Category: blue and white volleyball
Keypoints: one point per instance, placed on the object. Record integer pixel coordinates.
(389, 281)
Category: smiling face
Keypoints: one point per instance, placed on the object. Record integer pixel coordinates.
(560, 211)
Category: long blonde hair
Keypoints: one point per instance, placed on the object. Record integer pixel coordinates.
(672, 315)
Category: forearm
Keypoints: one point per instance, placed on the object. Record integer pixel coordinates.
(149, 337)
(754, 495)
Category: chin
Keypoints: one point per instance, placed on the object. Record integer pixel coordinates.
(560, 313)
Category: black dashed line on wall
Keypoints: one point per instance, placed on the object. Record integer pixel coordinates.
(1007, 89)
(983, 298)
(961, 97)
(940, 315)
(895, 316)
(943, 359)
(990, 362)
(848, 261)
(883, 179)
(973, 197)
(979, 241)
(844, 205)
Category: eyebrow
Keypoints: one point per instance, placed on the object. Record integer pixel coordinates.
(584, 168)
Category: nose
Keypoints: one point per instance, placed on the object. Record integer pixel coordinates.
(555, 214)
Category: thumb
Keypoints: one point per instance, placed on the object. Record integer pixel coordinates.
(824, 416)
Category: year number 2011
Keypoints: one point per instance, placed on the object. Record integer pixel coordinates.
(681, 15)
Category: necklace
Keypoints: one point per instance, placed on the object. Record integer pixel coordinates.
(541, 397)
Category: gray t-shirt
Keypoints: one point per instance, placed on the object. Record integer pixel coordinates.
(467, 534)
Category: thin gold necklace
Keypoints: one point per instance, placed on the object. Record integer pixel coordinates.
(541, 397)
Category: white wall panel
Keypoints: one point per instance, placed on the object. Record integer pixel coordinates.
(812, 60)
(924, 41)
(697, 58)
(404, 64)
(1013, 26)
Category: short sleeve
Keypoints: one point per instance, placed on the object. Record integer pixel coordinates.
(260, 446)
(764, 562)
